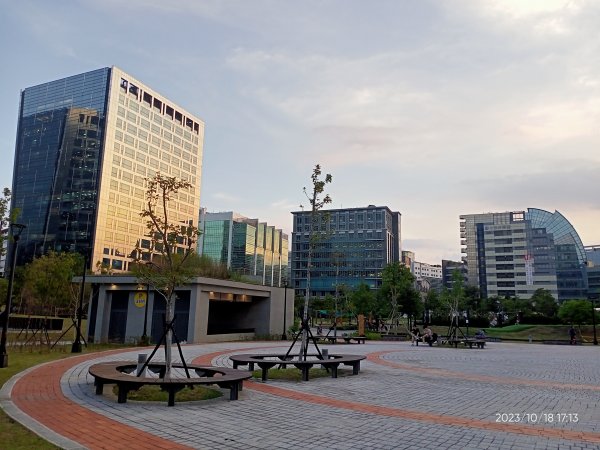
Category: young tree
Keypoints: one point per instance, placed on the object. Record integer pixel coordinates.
(318, 221)
(168, 261)
(5, 217)
(398, 286)
(454, 300)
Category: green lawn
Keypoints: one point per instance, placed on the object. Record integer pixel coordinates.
(523, 331)
(13, 436)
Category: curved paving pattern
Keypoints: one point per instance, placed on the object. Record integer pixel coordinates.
(404, 397)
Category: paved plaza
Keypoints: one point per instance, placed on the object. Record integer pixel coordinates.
(506, 396)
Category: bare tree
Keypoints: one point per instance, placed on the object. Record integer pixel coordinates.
(168, 261)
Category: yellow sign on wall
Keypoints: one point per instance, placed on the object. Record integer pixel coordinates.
(139, 299)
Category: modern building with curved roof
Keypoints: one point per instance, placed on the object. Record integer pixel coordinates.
(512, 254)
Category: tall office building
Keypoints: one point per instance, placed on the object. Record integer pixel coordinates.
(355, 245)
(513, 254)
(84, 145)
(249, 247)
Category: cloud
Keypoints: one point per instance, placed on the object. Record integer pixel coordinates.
(225, 197)
(284, 204)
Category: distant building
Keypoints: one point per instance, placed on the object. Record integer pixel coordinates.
(593, 255)
(356, 244)
(448, 268)
(424, 270)
(84, 145)
(408, 259)
(512, 254)
(249, 247)
(593, 271)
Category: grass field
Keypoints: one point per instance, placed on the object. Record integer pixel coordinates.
(13, 436)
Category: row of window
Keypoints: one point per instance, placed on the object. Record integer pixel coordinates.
(157, 105)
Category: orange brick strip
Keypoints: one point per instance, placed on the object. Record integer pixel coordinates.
(375, 357)
(38, 394)
(529, 430)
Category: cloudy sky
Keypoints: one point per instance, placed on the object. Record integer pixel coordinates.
(433, 108)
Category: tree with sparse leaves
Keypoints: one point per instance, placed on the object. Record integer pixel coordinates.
(4, 217)
(318, 221)
(168, 262)
(397, 286)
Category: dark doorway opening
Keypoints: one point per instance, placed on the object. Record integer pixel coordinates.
(118, 316)
(229, 317)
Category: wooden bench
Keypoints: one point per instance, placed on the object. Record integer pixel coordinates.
(268, 361)
(121, 373)
(479, 343)
(346, 339)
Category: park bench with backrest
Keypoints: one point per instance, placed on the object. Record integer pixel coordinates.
(123, 375)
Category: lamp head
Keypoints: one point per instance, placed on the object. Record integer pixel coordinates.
(16, 229)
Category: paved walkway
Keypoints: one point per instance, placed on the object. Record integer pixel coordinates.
(507, 396)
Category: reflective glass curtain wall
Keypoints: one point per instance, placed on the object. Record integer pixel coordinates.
(57, 160)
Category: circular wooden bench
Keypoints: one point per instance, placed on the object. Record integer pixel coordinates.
(122, 373)
(267, 361)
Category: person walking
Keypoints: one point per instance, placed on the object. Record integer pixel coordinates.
(572, 335)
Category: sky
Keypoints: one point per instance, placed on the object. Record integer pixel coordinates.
(432, 108)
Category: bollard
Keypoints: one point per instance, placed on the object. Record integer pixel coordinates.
(141, 361)
(325, 353)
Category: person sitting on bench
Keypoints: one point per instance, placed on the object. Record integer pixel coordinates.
(429, 336)
(415, 336)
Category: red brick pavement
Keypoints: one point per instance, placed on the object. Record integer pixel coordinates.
(39, 395)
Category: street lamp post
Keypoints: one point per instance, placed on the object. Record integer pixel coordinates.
(76, 347)
(16, 229)
(284, 334)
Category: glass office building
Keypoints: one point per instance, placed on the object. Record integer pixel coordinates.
(251, 248)
(355, 245)
(512, 254)
(84, 146)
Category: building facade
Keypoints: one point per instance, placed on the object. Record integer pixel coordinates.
(353, 247)
(251, 248)
(84, 146)
(512, 254)
(424, 270)
(448, 269)
(206, 310)
(593, 271)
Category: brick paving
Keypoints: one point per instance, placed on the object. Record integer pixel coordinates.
(404, 397)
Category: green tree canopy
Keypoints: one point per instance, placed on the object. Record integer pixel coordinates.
(576, 312)
(363, 300)
(398, 287)
(544, 303)
(48, 282)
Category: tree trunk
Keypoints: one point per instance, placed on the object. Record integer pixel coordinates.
(170, 313)
(304, 344)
